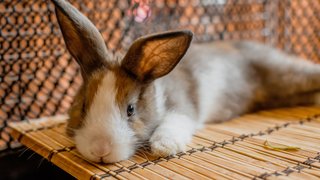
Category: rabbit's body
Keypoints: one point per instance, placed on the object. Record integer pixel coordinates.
(222, 80)
(215, 82)
(142, 99)
(210, 84)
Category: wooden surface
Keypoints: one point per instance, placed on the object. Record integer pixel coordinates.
(230, 150)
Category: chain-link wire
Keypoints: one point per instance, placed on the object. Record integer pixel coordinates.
(39, 78)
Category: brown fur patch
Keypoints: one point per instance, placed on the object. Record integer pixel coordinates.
(92, 88)
(138, 126)
(82, 101)
(142, 96)
(125, 84)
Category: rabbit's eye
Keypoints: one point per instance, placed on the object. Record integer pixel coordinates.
(130, 111)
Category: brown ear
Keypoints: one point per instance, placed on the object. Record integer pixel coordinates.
(82, 38)
(154, 56)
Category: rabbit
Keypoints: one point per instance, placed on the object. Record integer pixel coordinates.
(165, 87)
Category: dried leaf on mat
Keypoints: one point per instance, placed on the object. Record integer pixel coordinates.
(283, 148)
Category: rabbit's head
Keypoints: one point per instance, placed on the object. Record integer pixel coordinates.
(115, 111)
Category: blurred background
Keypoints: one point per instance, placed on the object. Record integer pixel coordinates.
(38, 77)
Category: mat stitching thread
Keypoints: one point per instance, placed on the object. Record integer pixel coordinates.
(299, 167)
(287, 171)
(309, 162)
(132, 167)
(318, 157)
(144, 164)
(56, 151)
(95, 176)
(105, 175)
(52, 152)
(102, 175)
(119, 170)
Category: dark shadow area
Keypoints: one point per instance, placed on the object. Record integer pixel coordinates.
(13, 167)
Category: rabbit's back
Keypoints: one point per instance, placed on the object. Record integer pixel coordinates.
(214, 77)
(225, 79)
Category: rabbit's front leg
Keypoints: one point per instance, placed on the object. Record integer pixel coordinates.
(172, 135)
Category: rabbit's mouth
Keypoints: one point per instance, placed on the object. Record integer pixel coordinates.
(100, 152)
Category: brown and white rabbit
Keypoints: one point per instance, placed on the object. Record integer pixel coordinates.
(146, 97)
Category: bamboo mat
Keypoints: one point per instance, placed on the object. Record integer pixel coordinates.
(230, 150)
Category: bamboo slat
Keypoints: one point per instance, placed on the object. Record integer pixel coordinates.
(230, 150)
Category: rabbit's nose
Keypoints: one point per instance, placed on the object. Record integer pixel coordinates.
(100, 148)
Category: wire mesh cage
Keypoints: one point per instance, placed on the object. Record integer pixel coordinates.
(39, 78)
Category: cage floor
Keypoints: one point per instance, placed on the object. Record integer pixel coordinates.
(230, 150)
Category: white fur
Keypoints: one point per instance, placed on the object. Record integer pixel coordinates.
(168, 139)
(104, 130)
(160, 98)
(224, 73)
(209, 92)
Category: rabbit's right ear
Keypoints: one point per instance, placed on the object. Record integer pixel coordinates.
(82, 38)
(154, 56)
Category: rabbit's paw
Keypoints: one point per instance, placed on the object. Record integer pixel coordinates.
(165, 144)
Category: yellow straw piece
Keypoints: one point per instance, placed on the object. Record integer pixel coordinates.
(284, 148)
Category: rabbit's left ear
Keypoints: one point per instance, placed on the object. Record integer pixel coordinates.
(154, 56)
